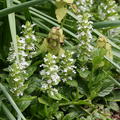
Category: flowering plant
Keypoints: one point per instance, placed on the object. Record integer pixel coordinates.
(63, 64)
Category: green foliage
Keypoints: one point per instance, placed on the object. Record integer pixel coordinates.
(58, 67)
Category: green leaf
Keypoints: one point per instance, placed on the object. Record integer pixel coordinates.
(68, 1)
(52, 109)
(98, 58)
(24, 102)
(46, 100)
(70, 116)
(59, 115)
(72, 83)
(83, 74)
(43, 101)
(60, 13)
(114, 97)
(107, 88)
(30, 70)
(33, 85)
(114, 106)
(54, 95)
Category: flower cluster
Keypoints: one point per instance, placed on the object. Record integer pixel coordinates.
(84, 26)
(49, 73)
(17, 79)
(56, 70)
(107, 10)
(26, 50)
(30, 39)
(67, 67)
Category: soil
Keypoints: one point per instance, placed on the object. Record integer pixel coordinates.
(116, 116)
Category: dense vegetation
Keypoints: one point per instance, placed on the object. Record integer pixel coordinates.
(59, 60)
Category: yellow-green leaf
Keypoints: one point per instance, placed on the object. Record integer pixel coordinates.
(60, 13)
(68, 1)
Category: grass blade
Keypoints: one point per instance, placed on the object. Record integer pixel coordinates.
(43, 14)
(115, 53)
(19, 7)
(105, 24)
(114, 80)
(113, 44)
(40, 24)
(7, 112)
(53, 23)
(11, 101)
(12, 24)
(112, 62)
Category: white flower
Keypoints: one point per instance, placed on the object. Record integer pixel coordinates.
(48, 73)
(78, 3)
(27, 36)
(70, 78)
(24, 64)
(53, 61)
(33, 37)
(23, 26)
(22, 53)
(42, 65)
(64, 80)
(65, 70)
(53, 56)
(20, 94)
(71, 60)
(72, 53)
(51, 68)
(45, 59)
(74, 71)
(14, 89)
(55, 77)
(63, 55)
(55, 90)
(22, 40)
(16, 79)
(83, 69)
(54, 68)
(49, 81)
(44, 86)
(42, 72)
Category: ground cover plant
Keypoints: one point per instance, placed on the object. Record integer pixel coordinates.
(59, 60)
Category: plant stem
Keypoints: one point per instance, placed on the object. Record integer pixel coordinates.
(80, 102)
